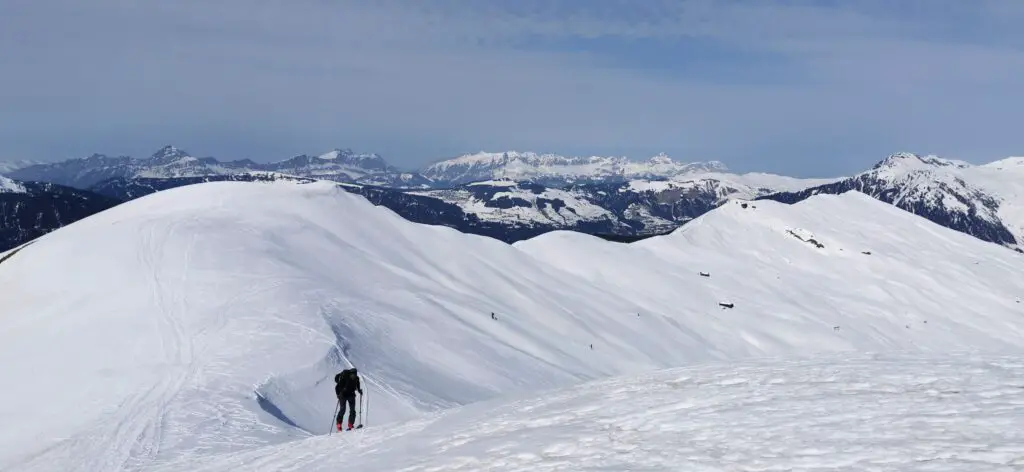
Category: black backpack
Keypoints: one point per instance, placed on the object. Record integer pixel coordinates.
(346, 382)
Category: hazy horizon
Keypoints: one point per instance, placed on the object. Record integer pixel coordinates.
(810, 88)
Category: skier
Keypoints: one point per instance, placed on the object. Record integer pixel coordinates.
(346, 384)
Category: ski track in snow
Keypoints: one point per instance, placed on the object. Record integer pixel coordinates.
(894, 412)
(201, 327)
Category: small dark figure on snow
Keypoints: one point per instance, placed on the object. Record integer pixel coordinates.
(346, 384)
(493, 317)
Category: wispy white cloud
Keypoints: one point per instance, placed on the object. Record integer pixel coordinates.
(422, 80)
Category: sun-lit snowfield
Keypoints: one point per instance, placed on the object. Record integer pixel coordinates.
(210, 319)
(838, 413)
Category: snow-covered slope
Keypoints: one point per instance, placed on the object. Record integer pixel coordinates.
(839, 413)
(556, 170)
(210, 318)
(985, 201)
(186, 317)
(11, 186)
(881, 268)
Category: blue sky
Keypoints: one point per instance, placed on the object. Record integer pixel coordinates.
(805, 88)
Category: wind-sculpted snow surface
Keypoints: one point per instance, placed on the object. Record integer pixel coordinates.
(851, 413)
(210, 319)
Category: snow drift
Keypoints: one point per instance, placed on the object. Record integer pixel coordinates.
(211, 318)
(839, 413)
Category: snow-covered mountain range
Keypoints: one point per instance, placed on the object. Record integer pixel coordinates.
(517, 195)
(615, 197)
(512, 211)
(554, 170)
(199, 328)
(343, 165)
(986, 201)
(340, 165)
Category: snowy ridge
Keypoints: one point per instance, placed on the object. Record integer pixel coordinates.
(224, 309)
(902, 162)
(754, 184)
(553, 169)
(1009, 162)
(512, 211)
(728, 186)
(129, 189)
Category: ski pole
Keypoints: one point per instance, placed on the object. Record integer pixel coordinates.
(360, 410)
(333, 416)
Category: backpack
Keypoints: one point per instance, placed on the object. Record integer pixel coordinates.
(346, 382)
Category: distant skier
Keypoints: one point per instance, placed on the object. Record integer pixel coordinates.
(493, 317)
(346, 384)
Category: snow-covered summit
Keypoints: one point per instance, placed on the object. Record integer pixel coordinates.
(210, 318)
(346, 161)
(549, 168)
(906, 161)
(369, 160)
(167, 155)
(330, 155)
(986, 201)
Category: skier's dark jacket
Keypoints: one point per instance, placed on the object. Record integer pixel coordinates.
(346, 383)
